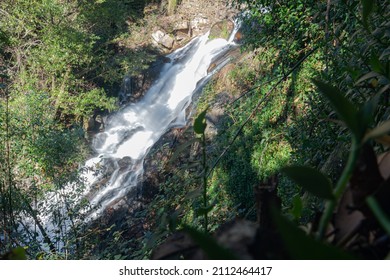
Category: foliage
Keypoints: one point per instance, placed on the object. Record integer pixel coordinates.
(59, 61)
(352, 57)
(66, 50)
(320, 72)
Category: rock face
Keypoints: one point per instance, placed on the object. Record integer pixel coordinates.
(191, 19)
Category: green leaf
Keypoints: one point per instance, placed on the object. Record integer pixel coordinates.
(378, 131)
(368, 7)
(367, 111)
(311, 180)
(18, 253)
(376, 64)
(200, 122)
(297, 208)
(213, 250)
(379, 214)
(303, 247)
(344, 108)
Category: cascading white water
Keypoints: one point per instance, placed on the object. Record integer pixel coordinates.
(133, 130)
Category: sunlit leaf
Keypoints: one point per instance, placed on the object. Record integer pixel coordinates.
(311, 180)
(297, 208)
(378, 131)
(344, 108)
(200, 122)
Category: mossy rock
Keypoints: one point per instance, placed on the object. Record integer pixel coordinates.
(222, 29)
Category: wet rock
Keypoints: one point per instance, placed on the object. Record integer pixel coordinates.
(238, 38)
(211, 67)
(124, 162)
(94, 124)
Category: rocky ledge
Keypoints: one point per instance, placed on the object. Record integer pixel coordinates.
(191, 19)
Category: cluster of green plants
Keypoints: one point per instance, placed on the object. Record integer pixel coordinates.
(60, 62)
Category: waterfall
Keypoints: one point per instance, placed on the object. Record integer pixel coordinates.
(132, 131)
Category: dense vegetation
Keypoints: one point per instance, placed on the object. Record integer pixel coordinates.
(58, 65)
(310, 91)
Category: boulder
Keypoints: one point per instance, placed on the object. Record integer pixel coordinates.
(163, 39)
(167, 41)
(183, 26)
(157, 36)
(124, 162)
